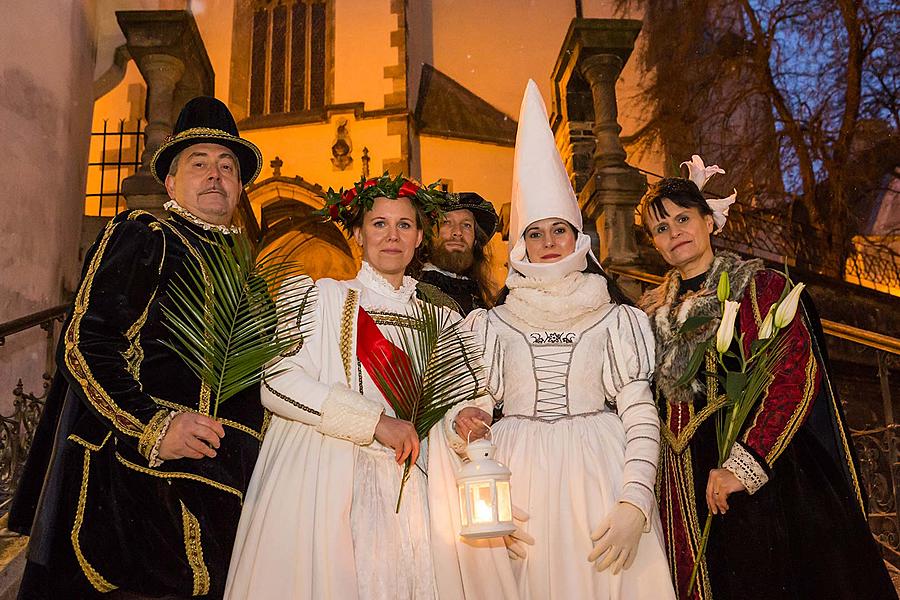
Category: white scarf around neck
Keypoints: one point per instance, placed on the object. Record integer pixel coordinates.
(542, 303)
(575, 262)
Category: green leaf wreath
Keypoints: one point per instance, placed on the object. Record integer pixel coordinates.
(224, 320)
(444, 368)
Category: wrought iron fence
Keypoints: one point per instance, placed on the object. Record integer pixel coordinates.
(118, 155)
(16, 435)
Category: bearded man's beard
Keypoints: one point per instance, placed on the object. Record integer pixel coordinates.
(458, 262)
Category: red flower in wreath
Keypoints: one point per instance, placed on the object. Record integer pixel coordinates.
(408, 189)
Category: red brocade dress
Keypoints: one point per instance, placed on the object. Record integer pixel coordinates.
(799, 531)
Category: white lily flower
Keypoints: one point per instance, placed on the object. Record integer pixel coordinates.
(720, 207)
(699, 172)
(767, 327)
(788, 307)
(726, 328)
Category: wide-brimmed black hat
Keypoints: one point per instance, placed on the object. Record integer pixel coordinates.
(206, 120)
(483, 211)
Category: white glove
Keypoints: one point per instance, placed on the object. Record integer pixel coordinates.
(515, 542)
(617, 537)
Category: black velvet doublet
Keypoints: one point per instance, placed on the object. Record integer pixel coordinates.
(100, 515)
(463, 290)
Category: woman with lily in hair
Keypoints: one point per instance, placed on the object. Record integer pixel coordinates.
(789, 518)
(321, 518)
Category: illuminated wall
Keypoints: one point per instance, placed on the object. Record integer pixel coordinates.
(374, 50)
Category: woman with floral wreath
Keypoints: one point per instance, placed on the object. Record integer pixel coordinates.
(792, 521)
(320, 518)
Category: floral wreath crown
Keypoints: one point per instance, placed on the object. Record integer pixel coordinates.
(343, 206)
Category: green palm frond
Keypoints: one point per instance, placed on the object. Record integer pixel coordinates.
(444, 369)
(224, 320)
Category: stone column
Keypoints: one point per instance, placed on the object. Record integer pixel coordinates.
(614, 189)
(167, 48)
(162, 72)
(584, 91)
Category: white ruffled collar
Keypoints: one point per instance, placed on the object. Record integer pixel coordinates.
(431, 267)
(187, 215)
(542, 303)
(375, 281)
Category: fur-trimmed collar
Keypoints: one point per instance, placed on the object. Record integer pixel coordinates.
(668, 313)
(542, 303)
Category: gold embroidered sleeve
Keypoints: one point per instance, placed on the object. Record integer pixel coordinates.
(102, 352)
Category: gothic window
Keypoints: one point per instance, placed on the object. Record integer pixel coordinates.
(288, 56)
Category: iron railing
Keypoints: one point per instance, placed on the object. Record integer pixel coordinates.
(119, 152)
(17, 428)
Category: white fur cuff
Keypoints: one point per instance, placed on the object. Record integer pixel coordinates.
(746, 468)
(350, 416)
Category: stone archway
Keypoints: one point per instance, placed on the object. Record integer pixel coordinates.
(285, 209)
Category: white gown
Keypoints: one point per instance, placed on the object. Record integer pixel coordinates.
(579, 431)
(318, 520)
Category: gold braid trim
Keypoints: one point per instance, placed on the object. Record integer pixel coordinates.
(205, 391)
(267, 418)
(86, 444)
(76, 363)
(397, 320)
(96, 579)
(193, 549)
(151, 434)
(847, 450)
(348, 318)
(798, 416)
(180, 475)
(680, 442)
(754, 302)
(226, 422)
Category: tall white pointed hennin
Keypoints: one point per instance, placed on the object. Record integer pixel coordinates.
(541, 190)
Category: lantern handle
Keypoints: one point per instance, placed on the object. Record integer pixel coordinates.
(490, 434)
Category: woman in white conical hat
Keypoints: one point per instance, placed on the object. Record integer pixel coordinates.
(570, 360)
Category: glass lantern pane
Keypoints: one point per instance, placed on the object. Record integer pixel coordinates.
(504, 502)
(463, 509)
(482, 496)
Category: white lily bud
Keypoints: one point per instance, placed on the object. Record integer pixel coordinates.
(767, 328)
(788, 307)
(726, 328)
(723, 291)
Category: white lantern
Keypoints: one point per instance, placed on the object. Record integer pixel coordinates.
(484, 501)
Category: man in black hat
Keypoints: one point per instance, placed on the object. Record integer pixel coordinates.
(131, 489)
(457, 261)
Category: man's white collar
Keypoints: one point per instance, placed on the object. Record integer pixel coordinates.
(430, 267)
(173, 206)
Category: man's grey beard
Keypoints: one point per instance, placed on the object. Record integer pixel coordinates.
(458, 262)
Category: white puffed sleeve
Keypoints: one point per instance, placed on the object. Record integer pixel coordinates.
(476, 324)
(628, 368)
(296, 393)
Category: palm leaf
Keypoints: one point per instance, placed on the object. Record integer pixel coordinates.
(224, 320)
(443, 369)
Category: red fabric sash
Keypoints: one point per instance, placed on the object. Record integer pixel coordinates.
(381, 357)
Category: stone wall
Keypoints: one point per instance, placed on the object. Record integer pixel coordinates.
(47, 57)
